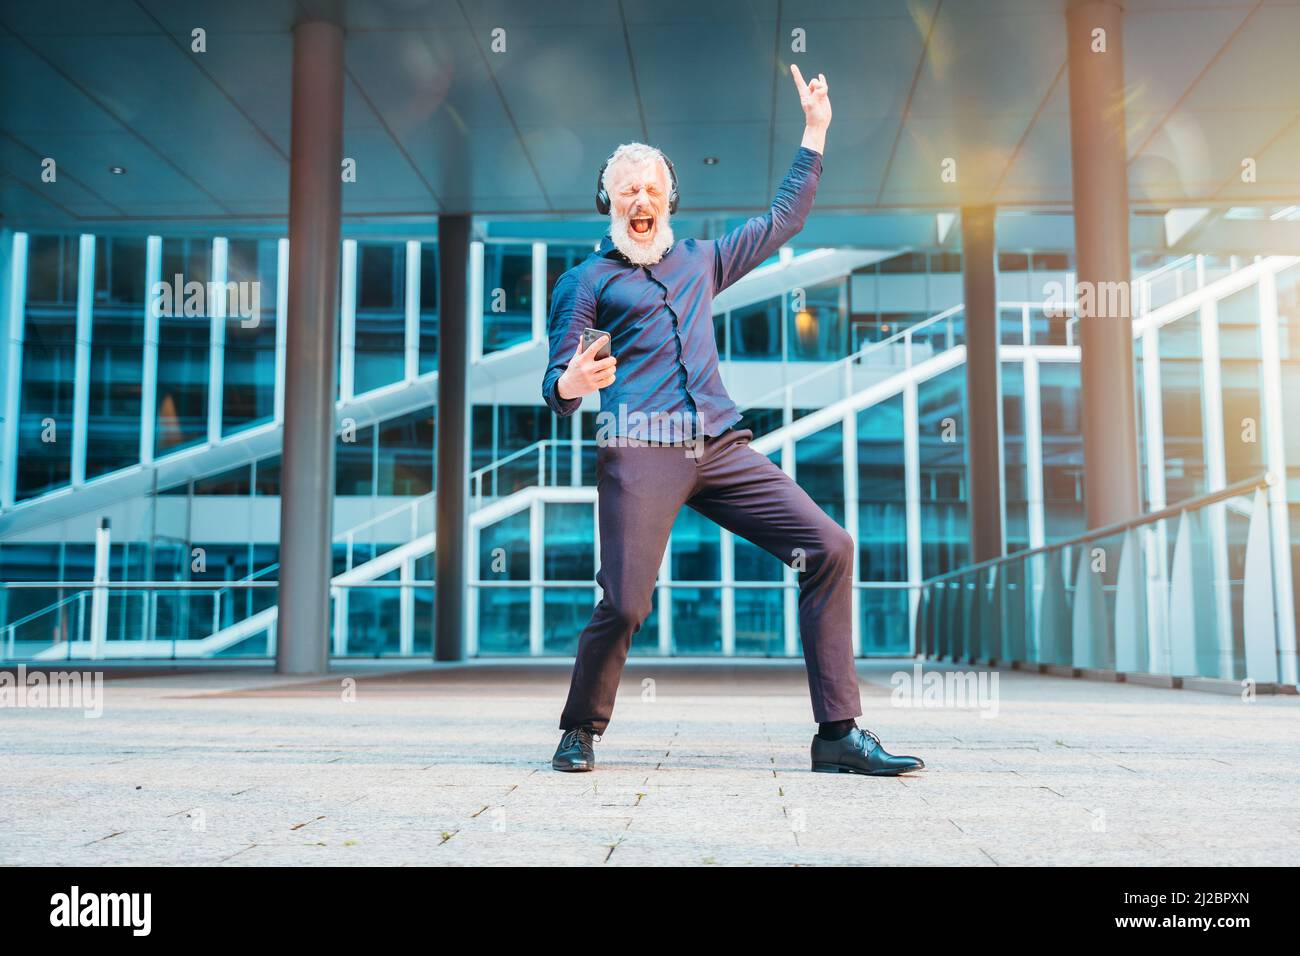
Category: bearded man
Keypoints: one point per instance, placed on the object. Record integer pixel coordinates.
(667, 437)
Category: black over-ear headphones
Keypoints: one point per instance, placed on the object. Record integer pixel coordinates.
(602, 197)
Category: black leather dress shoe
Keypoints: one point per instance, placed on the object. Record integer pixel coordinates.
(575, 753)
(860, 751)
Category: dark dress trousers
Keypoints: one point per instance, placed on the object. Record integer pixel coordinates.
(666, 439)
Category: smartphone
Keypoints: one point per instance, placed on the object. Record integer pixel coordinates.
(590, 335)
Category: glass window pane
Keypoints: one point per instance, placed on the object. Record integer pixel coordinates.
(1242, 381)
(1180, 403)
(184, 347)
(696, 548)
(405, 454)
(882, 493)
(945, 537)
(570, 553)
(756, 331)
(819, 466)
(117, 356)
(819, 330)
(503, 552)
(883, 619)
(697, 624)
(566, 611)
(354, 462)
(49, 355)
(503, 621)
(428, 307)
(507, 295)
(380, 342)
(1014, 457)
(760, 621)
(1062, 450)
(248, 378)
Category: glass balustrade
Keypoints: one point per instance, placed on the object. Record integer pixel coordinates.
(1185, 592)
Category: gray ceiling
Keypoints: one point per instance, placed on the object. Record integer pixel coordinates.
(438, 122)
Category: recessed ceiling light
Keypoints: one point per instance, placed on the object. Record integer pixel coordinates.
(710, 160)
(117, 170)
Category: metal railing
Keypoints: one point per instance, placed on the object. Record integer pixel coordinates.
(938, 333)
(161, 611)
(1186, 592)
(155, 620)
(370, 620)
(537, 465)
(128, 618)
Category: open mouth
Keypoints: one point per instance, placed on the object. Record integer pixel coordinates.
(641, 225)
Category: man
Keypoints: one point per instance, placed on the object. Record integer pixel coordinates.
(667, 438)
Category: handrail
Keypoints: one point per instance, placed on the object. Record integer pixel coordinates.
(341, 537)
(1264, 480)
(1178, 263)
(407, 505)
(519, 453)
(540, 448)
(902, 335)
(529, 449)
(378, 585)
(47, 609)
(247, 578)
(84, 586)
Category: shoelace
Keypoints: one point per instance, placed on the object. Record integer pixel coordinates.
(865, 734)
(571, 736)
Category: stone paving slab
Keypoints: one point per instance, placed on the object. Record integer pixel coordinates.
(450, 766)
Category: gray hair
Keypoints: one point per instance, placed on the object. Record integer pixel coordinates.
(637, 153)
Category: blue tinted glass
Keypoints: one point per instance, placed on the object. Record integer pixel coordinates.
(1062, 449)
(184, 340)
(882, 493)
(380, 335)
(507, 295)
(941, 413)
(248, 379)
(49, 347)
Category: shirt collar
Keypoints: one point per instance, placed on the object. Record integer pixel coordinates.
(610, 251)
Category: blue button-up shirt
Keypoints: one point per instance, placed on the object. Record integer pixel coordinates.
(660, 320)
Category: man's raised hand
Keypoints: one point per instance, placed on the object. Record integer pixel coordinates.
(586, 373)
(815, 99)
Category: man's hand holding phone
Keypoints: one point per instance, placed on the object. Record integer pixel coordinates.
(587, 372)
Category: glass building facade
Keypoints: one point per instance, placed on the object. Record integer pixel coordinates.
(162, 414)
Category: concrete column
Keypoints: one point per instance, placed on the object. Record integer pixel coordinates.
(1099, 159)
(307, 464)
(452, 436)
(984, 491)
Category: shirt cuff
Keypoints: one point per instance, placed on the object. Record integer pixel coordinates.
(563, 406)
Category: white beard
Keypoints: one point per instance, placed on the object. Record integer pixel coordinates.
(639, 253)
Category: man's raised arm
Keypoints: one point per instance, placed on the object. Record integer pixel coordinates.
(745, 247)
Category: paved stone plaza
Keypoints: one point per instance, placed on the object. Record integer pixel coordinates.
(708, 765)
